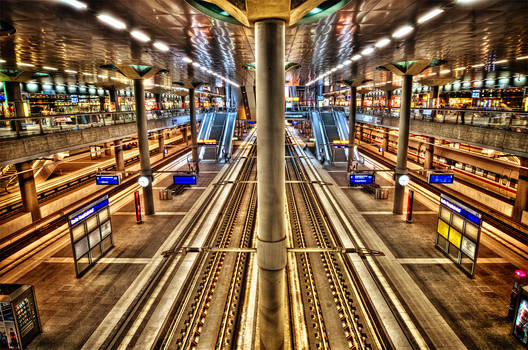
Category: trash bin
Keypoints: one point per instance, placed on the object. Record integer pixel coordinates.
(382, 193)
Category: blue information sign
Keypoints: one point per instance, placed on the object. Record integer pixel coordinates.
(461, 210)
(184, 179)
(361, 179)
(251, 122)
(87, 211)
(441, 178)
(107, 180)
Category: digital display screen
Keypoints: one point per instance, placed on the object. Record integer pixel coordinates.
(107, 180)
(520, 328)
(475, 94)
(251, 122)
(441, 178)
(361, 179)
(184, 179)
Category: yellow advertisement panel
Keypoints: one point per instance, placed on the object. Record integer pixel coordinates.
(455, 237)
(443, 228)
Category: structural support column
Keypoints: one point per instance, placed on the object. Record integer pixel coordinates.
(28, 191)
(114, 99)
(352, 124)
(429, 153)
(14, 95)
(385, 141)
(271, 239)
(143, 143)
(161, 142)
(403, 143)
(521, 199)
(388, 102)
(120, 160)
(192, 109)
(107, 149)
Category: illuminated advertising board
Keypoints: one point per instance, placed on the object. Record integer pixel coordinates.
(207, 142)
(184, 179)
(458, 233)
(520, 322)
(91, 234)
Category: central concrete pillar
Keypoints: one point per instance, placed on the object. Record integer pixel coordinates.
(28, 191)
(143, 144)
(119, 158)
(161, 142)
(385, 141)
(114, 98)
(429, 153)
(352, 124)
(192, 109)
(388, 102)
(271, 239)
(14, 94)
(403, 143)
(521, 199)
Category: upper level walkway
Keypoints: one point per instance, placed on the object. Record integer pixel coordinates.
(505, 131)
(24, 139)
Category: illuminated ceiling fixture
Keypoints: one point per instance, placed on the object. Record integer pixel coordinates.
(22, 64)
(161, 46)
(88, 74)
(196, 64)
(356, 57)
(445, 71)
(111, 21)
(75, 3)
(139, 35)
(187, 59)
(501, 61)
(460, 68)
(465, 1)
(430, 15)
(347, 62)
(49, 68)
(402, 31)
(522, 58)
(102, 76)
(367, 51)
(70, 71)
(333, 69)
(340, 66)
(477, 65)
(382, 43)
(2, 61)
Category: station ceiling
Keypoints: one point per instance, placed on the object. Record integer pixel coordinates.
(51, 33)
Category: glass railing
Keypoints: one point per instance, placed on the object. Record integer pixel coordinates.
(45, 124)
(499, 119)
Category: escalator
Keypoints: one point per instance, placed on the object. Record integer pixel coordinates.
(332, 133)
(322, 149)
(216, 131)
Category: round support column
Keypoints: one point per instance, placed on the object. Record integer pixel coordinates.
(352, 124)
(192, 109)
(521, 200)
(28, 191)
(403, 143)
(143, 142)
(271, 239)
(429, 153)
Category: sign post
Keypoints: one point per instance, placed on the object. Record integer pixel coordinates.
(138, 207)
(410, 200)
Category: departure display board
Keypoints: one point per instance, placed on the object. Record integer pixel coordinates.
(458, 233)
(184, 179)
(440, 178)
(108, 179)
(91, 234)
(356, 179)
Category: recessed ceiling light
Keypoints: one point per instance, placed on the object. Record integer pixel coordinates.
(139, 35)
(102, 76)
(522, 58)
(460, 68)
(25, 64)
(402, 31)
(187, 59)
(75, 3)
(478, 65)
(340, 66)
(382, 42)
(2, 61)
(356, 57)
(429, 15)
(333, 69)
(196, 64)
(367, 51)
(445, 71)
(111, 21)
(70, 71)
(49, 68)
(501, 61)
(347, 62)
(89, 74)
(161, 46)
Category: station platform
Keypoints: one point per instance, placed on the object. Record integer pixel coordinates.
(475, 309)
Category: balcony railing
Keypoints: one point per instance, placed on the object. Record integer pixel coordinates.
(11, 128)
(499, 119)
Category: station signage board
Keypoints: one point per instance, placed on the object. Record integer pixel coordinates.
(357, 179)
(458, 233)
(440, 178)
(184, 179)
(207, 142)
(108, 180)
(91, 234)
